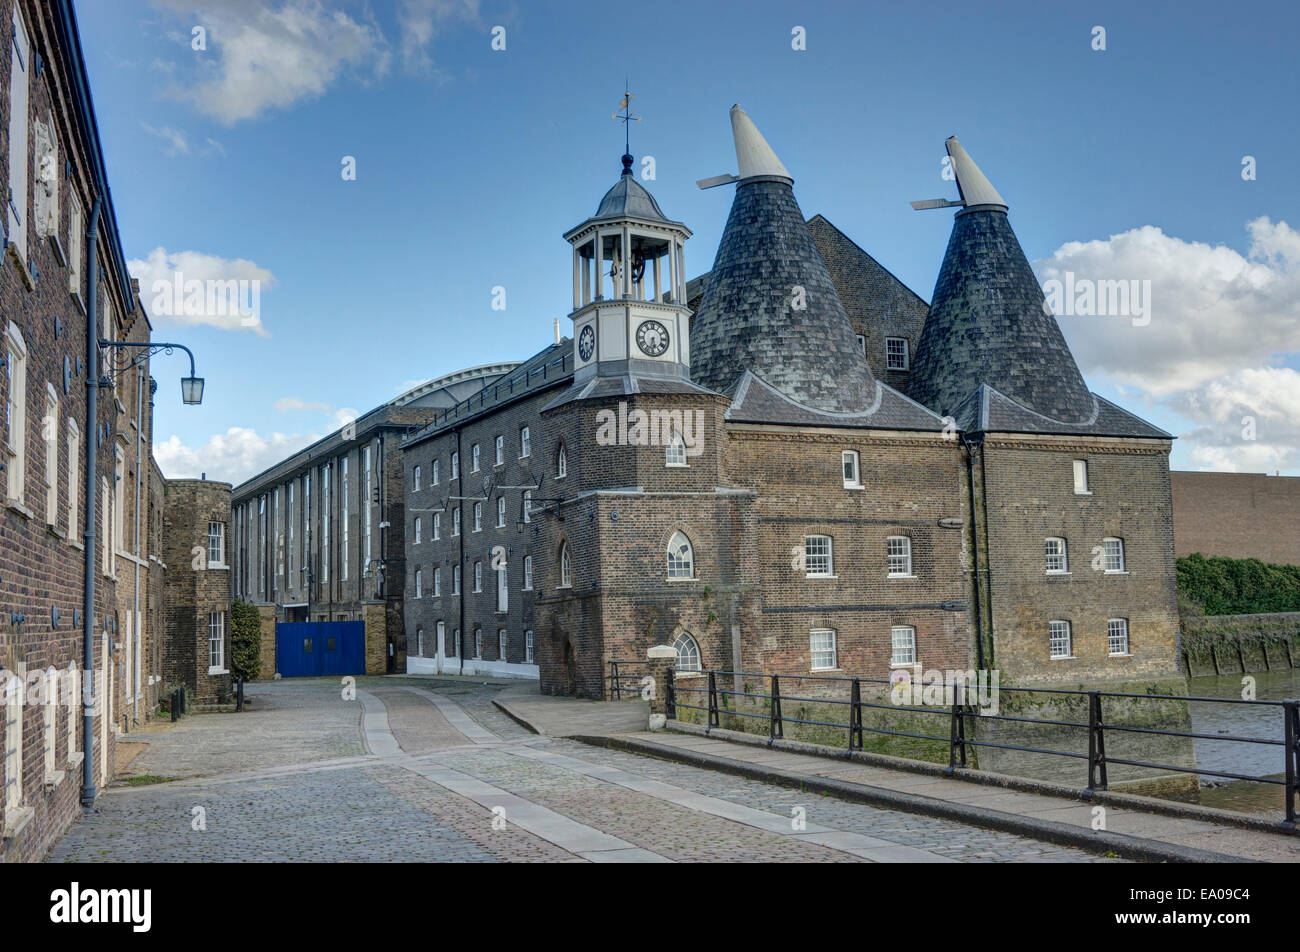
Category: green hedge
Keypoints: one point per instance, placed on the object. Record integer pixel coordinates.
(1222, 586)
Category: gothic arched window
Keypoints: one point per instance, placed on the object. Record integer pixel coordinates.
(681, 558)
(688, 652)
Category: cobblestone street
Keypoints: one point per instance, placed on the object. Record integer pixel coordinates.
(431, 771)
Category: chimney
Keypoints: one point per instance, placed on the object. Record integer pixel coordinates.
(557, 330)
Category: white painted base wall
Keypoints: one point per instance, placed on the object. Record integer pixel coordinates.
(473, 666)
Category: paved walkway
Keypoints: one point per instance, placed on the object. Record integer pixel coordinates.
(425, 770)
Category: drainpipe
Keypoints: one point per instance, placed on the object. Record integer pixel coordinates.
(139, 626)
(972, 446)
(460, 539)
(92, 466)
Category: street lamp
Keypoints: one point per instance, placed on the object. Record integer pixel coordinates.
(191, 386)
(192, 390)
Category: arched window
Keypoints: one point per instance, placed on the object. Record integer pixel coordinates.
(415, 479)
(688, 652)
(419, 523)
(419, 584)
(675, 451)
(566, 566)
(561, 463)
(419, 641)
(681, 559)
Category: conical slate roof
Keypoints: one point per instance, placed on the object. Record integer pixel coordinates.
(750, 318)
(988, 321)
(629, 199)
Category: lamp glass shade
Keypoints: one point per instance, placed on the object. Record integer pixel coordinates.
(192, 389)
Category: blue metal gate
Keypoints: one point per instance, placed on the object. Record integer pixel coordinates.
(313, 649)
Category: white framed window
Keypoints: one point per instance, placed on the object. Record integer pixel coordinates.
(675, 451)
(419, 583)
(50, 434)
(528, 573)
(367, 509)
(902, 640)
(478, 576)
(419, 641)
(528, 505)
(1112, 551)
(501, 450)
(437, 581)
(1058, 639)
(19, 135)
(50, 699)
(216, 642)
(849, 463)
(478, 517)
(501, 644)
(119, 505)
(455, 465)
(433, 473)
(455, 521)
(898, 553)
(343, 524)
(1117, 636)
(16, 403)
(561, 463)
(474, 458)
(566, 566)
(12, 691)
(501, 512)
(292, 521)
(216, 543)
(530, 656)
(688, 652)
(440, 634)
(478, 642)
(1056, 556)
(525, 443)
(415, 479)
(76, 241)
(417, 528)
(72, 697)
(821, 649)
(896, 355)
(1081, 477)
(455, 580)
(862, 343)
(437, 526)
(105, 517)
(681, 558)
(503, 588)
(819, 557)
(74, 484)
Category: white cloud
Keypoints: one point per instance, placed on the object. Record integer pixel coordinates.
(232, 456)
(261, 57)
(177, 144)
(343, 416)
(289, 404)
(420, 20)
(220, 292)
(1221, 323)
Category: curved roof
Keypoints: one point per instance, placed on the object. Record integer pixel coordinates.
(629, 199)
(448, 381)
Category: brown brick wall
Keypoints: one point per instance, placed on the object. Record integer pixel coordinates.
(1238, 515)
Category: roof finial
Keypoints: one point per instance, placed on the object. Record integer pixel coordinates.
(625, 107)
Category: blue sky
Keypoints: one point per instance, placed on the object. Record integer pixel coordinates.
(470, 163)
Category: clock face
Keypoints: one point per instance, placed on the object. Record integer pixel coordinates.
(652, 338)
(586, 343)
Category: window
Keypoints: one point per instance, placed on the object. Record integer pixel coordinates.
(896, 353)
(76, 241)
(898, 550)
(18, 136)
(419, 641)
(1117, 636)
(478, 517)
(16, 404)
(1058, 639)
(1081, 477)
(74, 484)
(1055, 553)
(675, 451)
(433, 474)
(13, 708)
(455, 580)
(216, 642)
(525, 443)
(455, 521)
(367, 506)
(50, 700)
(119, 505)
(849, 459)
(455, 465)
(417, 529)
(325, 523)
(440, 644)
(455, 643)
(503, 591)
(819, 559)
(566, 566)
(821, 649)
(501, 450)
(343, 523)
(862, 343)
(561, 463)
(501, 512)
(688, 652)
(478, 642)
(50, 432)
(437, 581)
(902, 639)
(216, 543)
(292, 521)
(415, 479)
(681, 560)
(419, 584)
(528, 505)
(72, 697)
(473, 458)
(501, 644)
(528, 573)
(437, 526)
(529, 652)
(105, 514)
(478, 576)
(1113, 555)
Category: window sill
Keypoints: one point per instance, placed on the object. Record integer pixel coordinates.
(76, 297)
(823, 670)
(821, 576)
(16, 820)
(1064, 658)
(1126, 654)
(693, 578)
(677, 465)
(1083, 492)
(1115, 572)
(76, 759)
(899, 665)
(901, 578)
(218, 670)
(219, 565)
(1056, 573)
(15, 506)
(77, 544)
(564, 588)
(58, 250)
(854, 486)
(53, 778)
(22, 267)
(54, 530)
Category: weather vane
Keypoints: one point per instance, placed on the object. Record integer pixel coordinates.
(624, 115)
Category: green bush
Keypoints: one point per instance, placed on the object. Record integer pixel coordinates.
(1223, 586)
(245, 641)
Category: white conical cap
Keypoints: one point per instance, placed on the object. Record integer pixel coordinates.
(753, 155)
(975, 188)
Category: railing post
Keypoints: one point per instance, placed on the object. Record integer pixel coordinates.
(614, 692)
(670, 692)
(957, 737)
(714, 720)
(855, 717)
(1096, 743)
(775, 725)
(1291, 729)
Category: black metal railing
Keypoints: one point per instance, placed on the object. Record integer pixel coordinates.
(960, 710)
(626, 678)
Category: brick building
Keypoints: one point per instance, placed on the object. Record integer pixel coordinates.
(196, 655)
(792, 464)
(1237, 515)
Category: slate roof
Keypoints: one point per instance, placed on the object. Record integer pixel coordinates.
(621, 386)
(988, 325)
(629, 199)
(746, 321)
(755, 401)
(987, 410)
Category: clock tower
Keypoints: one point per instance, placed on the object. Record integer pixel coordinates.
(629, 288)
